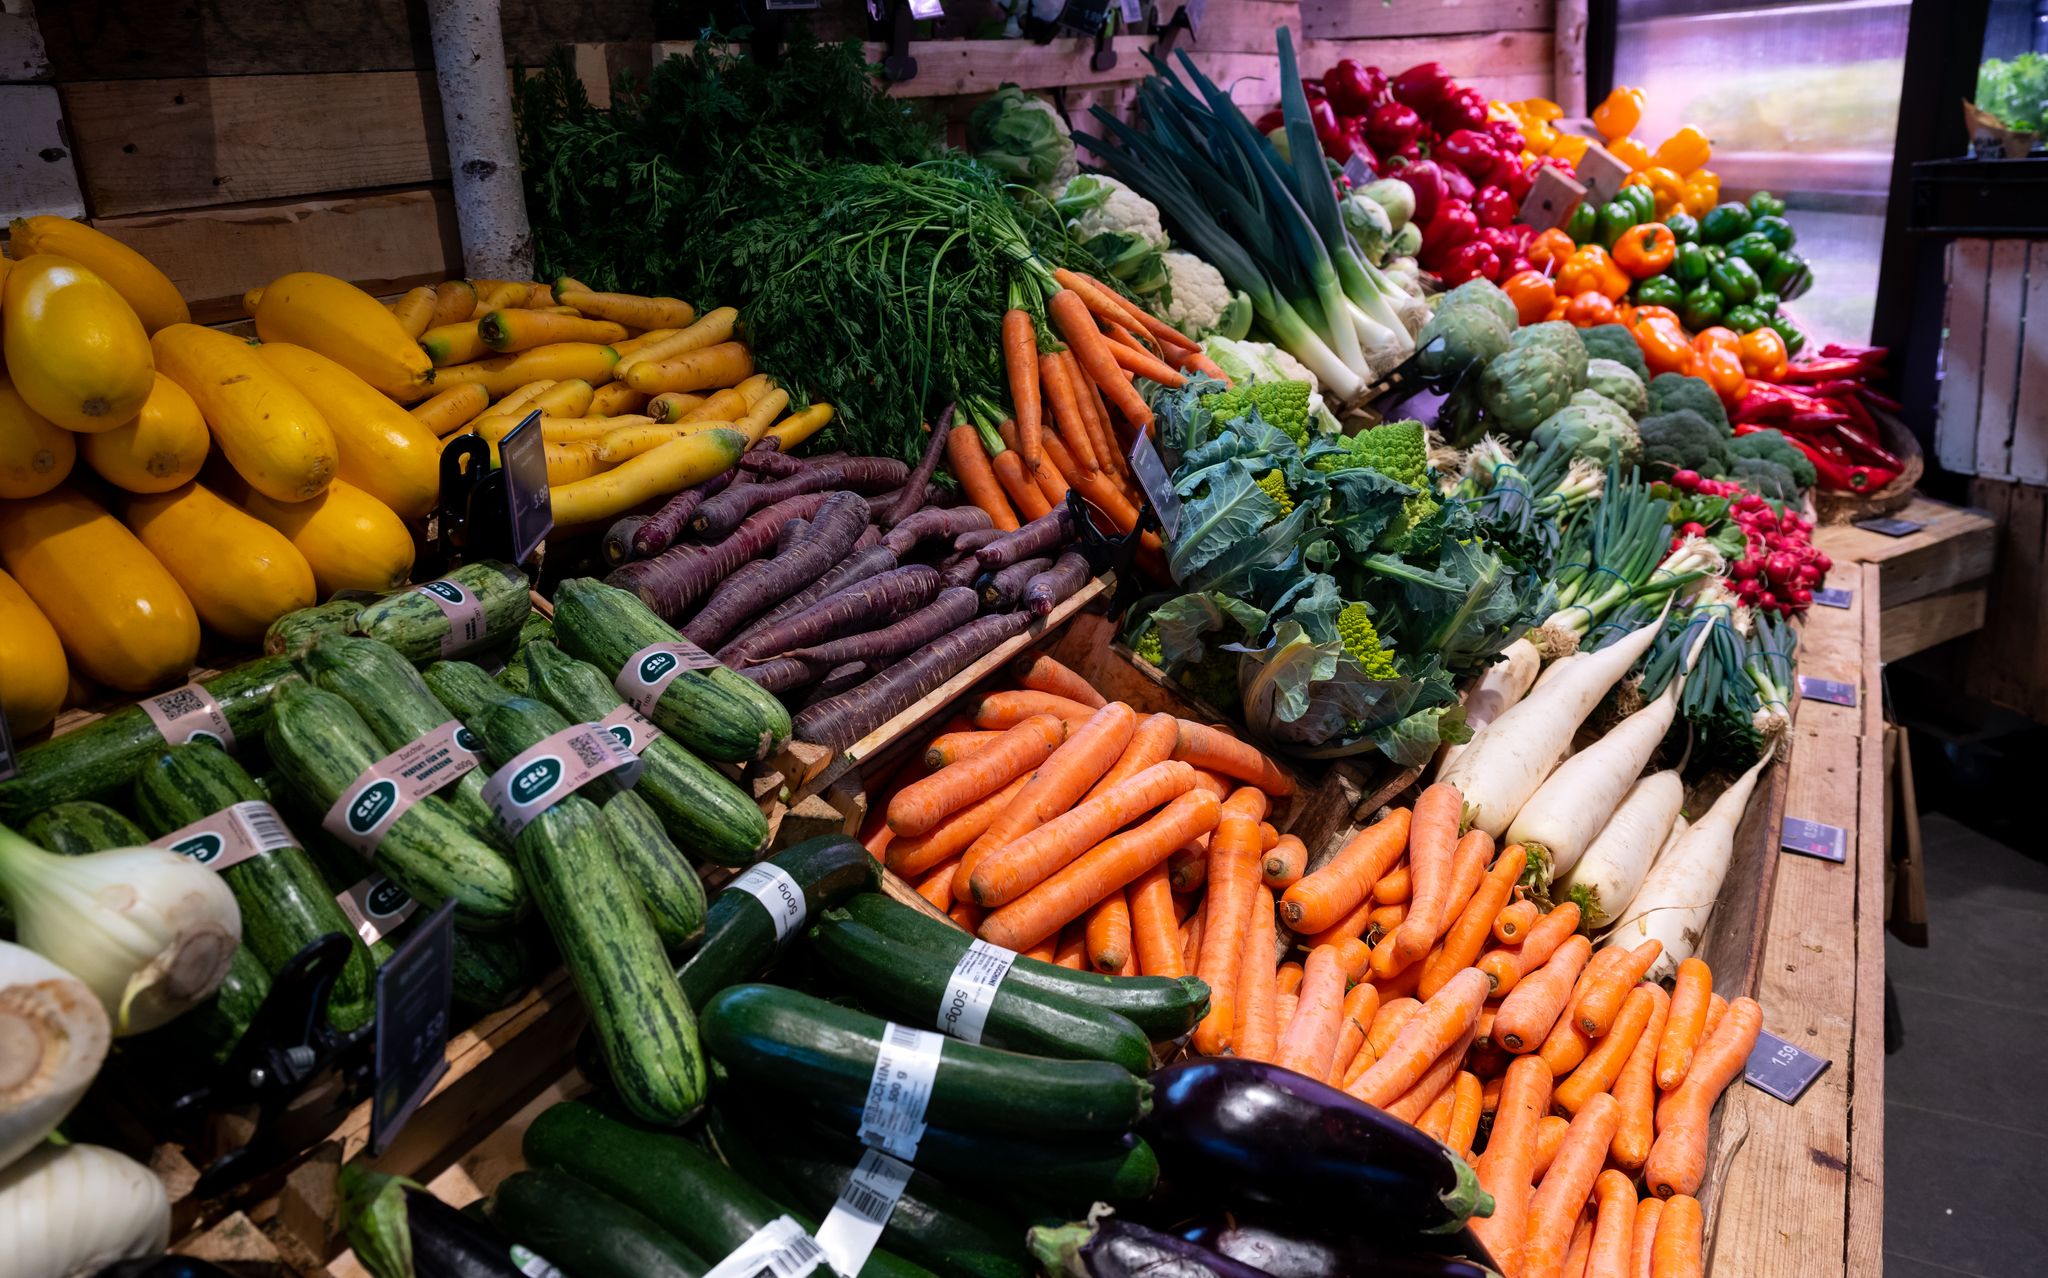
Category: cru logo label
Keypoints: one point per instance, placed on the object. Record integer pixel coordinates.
(204, 847)
(372, 804)
(202, 735)
(624, 736)
(385, 899)
(447, 590)
(535, 780)
(466, 740)
(656, 664)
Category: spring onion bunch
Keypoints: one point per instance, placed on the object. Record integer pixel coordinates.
(1735, 697)
(1618, 556)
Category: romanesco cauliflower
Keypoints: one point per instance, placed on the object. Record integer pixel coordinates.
(1214, 679)
(1274, 485)
(1400, 451)
(1281, 404)
(1147, 647)
(1362, 640)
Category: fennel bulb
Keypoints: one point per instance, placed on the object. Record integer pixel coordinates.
(53, 1037)
(74, 1209)
(150, 932)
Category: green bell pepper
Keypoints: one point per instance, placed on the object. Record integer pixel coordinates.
(1659, 290)
(1691, 264)
(1724, 222)
(1745, 319)
(1716, 253)
(1776, 229)
(1755, 249)
(1767, 302)
(1789, 276)
(1702, 308)
(1764, 204)
(1685, 228)
(1735, 280)
(1615, 219)
(1644, 199)
(1584, 223)
(1795, 339)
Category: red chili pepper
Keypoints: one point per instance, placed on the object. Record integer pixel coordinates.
(1837, 472)
(1865, 447)
(1883, 401)
(1822, 370)
(1869, 354)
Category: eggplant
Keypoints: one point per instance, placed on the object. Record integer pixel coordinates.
(397, 1227)
(1287, 1255)
(1235, 1131)
(1112, 1247)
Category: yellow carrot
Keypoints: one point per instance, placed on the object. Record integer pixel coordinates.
(720, 365)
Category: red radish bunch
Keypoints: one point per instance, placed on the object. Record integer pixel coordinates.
(1781, 567)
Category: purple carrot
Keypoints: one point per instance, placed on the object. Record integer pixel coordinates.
(843, 677)
(935, 523)
(724, 512)
(838, 722)
(1044, 591)
(673, 581)
(959, 570)
(913, 488)
(950, 608)
(879, 599)
(979, 537)
(618, 540)
(792, 532)
(771, 464)
(869, 536)
(838, 522)
(858, 566)
(1005, 588)
(1041, 536)
(781, 675)
(665, 525)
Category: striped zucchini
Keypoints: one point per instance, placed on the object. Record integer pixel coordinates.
(492, 970)
(74, 829)
(285, 904)
(463, 688)
(295, 632)
(414, 624)
(714, 712)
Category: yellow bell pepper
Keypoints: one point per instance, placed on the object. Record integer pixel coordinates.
(1540, 109)
(1630, 152)
(1684, 150)
(1618, 116)
(1538, 136)
(1571, 147)
(1702, 191)
(1665, 185)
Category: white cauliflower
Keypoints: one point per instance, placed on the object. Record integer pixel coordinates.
(1198, 301)
(1096, 204)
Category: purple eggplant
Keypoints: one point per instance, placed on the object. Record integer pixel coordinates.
(1238, 1131)
(1288, 1255)
(1116, 1248)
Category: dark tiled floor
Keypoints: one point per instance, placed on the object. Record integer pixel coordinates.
(1963, 1096)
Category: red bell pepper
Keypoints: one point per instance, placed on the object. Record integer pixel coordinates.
(1426, 179)
(1391, 126)
(1452, 226)
(1457, 186)
(1508, 135)
(1470, 151)
(1495, 207)
(1351, 142)
(1271, 120)
(1469, 261)
(1353, 87)
(1422, 86)
(1463, 108)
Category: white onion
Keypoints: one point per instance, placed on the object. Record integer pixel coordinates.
(74, 1209)
(53, 1037)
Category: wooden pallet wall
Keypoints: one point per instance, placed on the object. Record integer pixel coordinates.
(1991, 411)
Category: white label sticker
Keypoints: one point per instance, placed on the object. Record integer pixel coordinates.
(854, 1225)
(360, 818)
(971, 990)
(374, 907)
(464, 611)
(779, 1249)
(900, 1091)
(188, 714)
(554, 768)
(649, 671)
(634, 730)
(777, 892)
(1133, 10)
(532, 1265)
(237, 833)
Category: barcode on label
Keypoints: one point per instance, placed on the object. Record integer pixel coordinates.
(800, 1255)
(866, 1203)
(265, 827)
(779, 1249)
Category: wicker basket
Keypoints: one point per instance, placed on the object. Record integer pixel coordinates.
(1844, 508)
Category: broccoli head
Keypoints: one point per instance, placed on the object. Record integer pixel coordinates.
(1472, 333)
(1681, 439)
(1615, 342)
(1773, 446)
(1274, 485)
(1281, 404)
(1670, 392)
(1765, 477)
(1561, 338)
(1361, 639)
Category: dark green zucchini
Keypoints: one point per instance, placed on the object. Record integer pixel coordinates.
(698, 805)
(285, 904)
(103, 757)
(1161, 1007)
(392, 698)
(793, 1042)
(211, 1030)
(585, 1232)
(74, 829)
(739, 934)
(322, 746)
(714, 712)
(295, 632)
(910, 983)
(464, 688)
(669, 1180)
(414, 624)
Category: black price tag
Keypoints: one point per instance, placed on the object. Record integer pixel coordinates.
(1085, 16)
(1356, 171)
(523, 457)
(1150, 469)
(1833, 598)
(7, 768)
(414, 989)
(1814, 838)
(1890, 527)
(1829, 690)
(1133, 11)
(1777, 1067)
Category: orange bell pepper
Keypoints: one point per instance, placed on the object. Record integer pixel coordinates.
(1645, 249)
(1666, 186)
(1590, 270)
(1702, 191)
(1684, 150)
(1540, 109)
(1630, 152)
(1571, 147)
(1551, 246)
(1619, 115)
(1662, 340)
(1532, 293)
(1588, 309)
(1557, 308)
(1663, 313)
(1763, 354)
(1721, 369)
(1717, 337)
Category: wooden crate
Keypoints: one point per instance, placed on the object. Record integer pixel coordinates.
(1936, 581)
(1991, 410)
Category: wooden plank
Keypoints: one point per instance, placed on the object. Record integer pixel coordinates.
(1957, 546)
(22, 54)
(2004, 295)
(1501, 63)
(1360, 19)
(2007, 663)
(1568, 57)
(1962, 356)
(1865, 1242)
(2030, 418)
(146, 145)
(385, 243)
(1917, 626)
(38, 173)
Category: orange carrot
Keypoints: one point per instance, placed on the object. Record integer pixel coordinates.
(1020, 360)
(1353, 956)
(920, 806)
(1233, 886)
(1539, 943)
(1287, 979)
(1691, 991)
(1507, 1169)
(1073, 948)
(1141, 364)
(1676, 1251)
(1526, 1016)
(1549, 1137)
(1432, 839)
(1214, 782)
(1717, 1007)
(1564, 1047)
(1636, 1089)
(1109, 932)
(1384, 921)
(1003, 874)
(1311, 1038)
(1283, 1009)
(1582, 1246)
(1066, 414)
(951, 747)
(937, 885)
(1436, 1120)
(1352, 926)
(1387, 1024)
(1151, 742)
(1217, 749)
(1601, 1001)
(1513, 922)
(1101, 436)
(1102, 300)
(1469, 860)
(1045, 951)
(1188, 868)
(1041, 673)
(1465, 1109)
(1643, 1237)
(1467, 935)
(1283, 863)
(1556, 1203)
(954, 835)
(1022, 490)
(1191, 939)
(1435, 1081)
(1614, 1228)
(967, 914)
(1269, 837)
(1441, 1022)
(1010, 707)
(1256, 1034)
(1603, 1065)
(1394, 886)
(1085, 755)
(1354, 1020)
(1155, 933)
(1489, 1098)
(977, 476)
(1678, 1160)
(1102, 869)
(1401, 983)
(1317, 901)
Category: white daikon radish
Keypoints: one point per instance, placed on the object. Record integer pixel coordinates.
(1560, 820)
(1505, 682)
(1679, 894)
(53, 1037)
(1608, 876)
(1505, 761)
(75, 1209)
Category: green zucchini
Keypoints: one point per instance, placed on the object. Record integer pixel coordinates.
(909, 982)
(74, 829)
(671, 1181)
(698, 805)
(585, 1232)
(536, 629)
(713, 712)
(206, 1034)
(1161, 1007)
(103, 757)
(609, 944)
(739, 933)
(414, 624)
(794, 1042)
(391, 697)
(295, 632)
(493, 970)
(322, 746)
(285, 904)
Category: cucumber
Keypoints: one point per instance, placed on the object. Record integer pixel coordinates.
(585, 1232)
(698, 805)
(103, 757)
(713, 712)
(670, 1180)
(295, 632)
(414, 624)
(322, 745)
(910, 983)
(644, 1024)
(392, 698)
(285, 904)
(739, 934)
(1161, 1007)
(796, 1043)
(939, 1228)
(74, 829)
